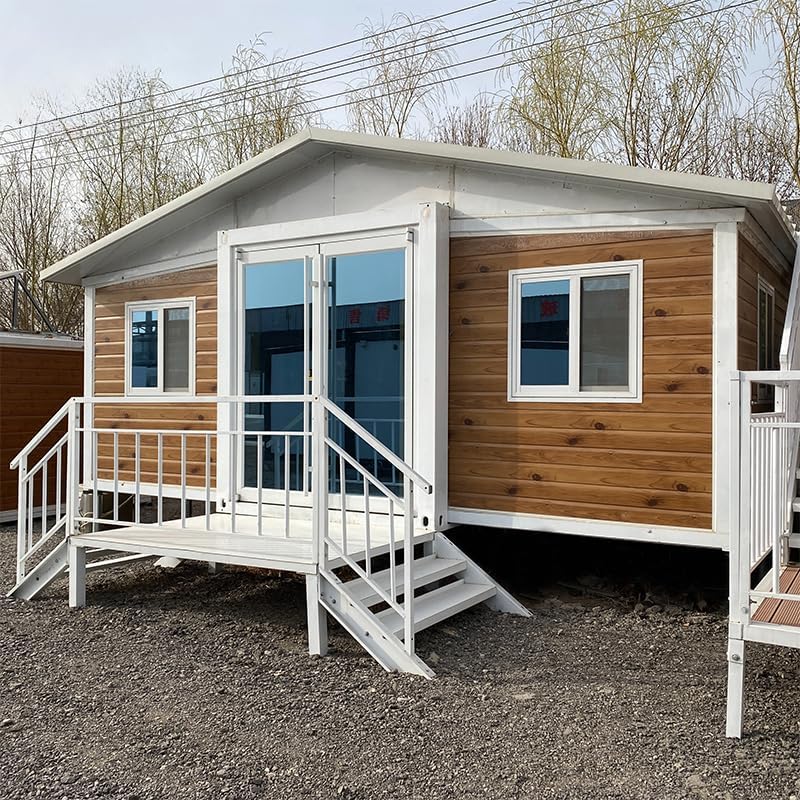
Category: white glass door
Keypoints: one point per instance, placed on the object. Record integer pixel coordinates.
(364, 285)
(367, 373)
(274, 348)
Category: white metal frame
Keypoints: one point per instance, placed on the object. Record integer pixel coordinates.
(427, 327)
(572, 392)
(160, 306)
(246, 256)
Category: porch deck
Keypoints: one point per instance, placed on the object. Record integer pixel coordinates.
(272, 549)
(779, 611)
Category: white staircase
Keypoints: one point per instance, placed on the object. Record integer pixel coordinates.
(445, 583)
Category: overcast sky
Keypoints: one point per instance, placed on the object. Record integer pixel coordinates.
(61, 46)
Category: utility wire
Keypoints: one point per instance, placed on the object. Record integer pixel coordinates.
(200, 102)
(41, 140)
(743, 3)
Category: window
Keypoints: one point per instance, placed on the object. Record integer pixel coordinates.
(767, 355)
(574, 333)
(159, 347)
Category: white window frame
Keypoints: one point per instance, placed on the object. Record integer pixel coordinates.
(160, 306)
(764, 392)
(572, 393)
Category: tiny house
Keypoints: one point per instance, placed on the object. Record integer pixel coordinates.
(340, 349)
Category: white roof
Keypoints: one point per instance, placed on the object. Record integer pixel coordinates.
(308, 146)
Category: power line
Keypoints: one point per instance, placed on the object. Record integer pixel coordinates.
(715, 11)
(218, 78)
(12, 146)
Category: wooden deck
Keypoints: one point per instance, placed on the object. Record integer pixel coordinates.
(270, 550)
(782, 612)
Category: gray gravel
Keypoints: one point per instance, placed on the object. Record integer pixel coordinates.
(177, 684)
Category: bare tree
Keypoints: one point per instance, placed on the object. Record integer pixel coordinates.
(406, 72)
(265, 102)
(36, 229)
(751, 146)
(778, 22)
(474, 124)
(138, 153)
(675, 71)
(552, 107)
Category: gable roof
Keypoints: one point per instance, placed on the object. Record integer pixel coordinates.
(311, 144)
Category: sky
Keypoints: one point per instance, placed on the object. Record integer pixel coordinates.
(60, 47)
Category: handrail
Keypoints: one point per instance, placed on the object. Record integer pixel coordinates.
(376, 444)
(43, 433)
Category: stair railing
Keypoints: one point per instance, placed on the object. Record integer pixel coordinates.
(353, 550)
(43, 488)
(762, 485)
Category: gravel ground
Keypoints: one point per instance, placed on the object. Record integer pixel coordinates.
(177, 684)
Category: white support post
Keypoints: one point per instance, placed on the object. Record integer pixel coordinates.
(725, 300)
(408, 565)
(73, 467)
(733, 723)
(22, 516)
(88, 382)
(739, 555)
(317, 618)
(430, 360)
(77, 576)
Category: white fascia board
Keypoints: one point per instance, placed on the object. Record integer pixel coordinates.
(628, 531)
(9, 339)
(281, 234)
(602, 221)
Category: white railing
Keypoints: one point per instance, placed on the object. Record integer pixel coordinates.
(149, 465)
(350, 550)
(42, 487)
(763, 483)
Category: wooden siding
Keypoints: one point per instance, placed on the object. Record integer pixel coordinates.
(110, 379)
(646, 462)
(752, 264)
(34, 383)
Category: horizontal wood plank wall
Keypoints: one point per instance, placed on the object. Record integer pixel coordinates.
(752, 264)
(34, 383)
(646, 462)
(110, 381)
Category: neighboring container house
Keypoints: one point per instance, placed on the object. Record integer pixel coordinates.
(351, 331)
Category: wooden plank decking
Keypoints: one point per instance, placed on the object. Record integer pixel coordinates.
(782, 612)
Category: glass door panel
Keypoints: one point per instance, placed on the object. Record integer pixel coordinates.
(366, 355)
(276, 362)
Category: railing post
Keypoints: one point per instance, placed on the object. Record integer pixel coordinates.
(319, 483)
(408, 564)
(73, 466)
(22, 516)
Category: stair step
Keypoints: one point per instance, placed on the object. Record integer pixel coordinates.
(438, 605)
(426, 570)
(796, 504)
(794, 540)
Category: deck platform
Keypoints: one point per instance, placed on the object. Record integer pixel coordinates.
(782, 612)
(272, 549)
